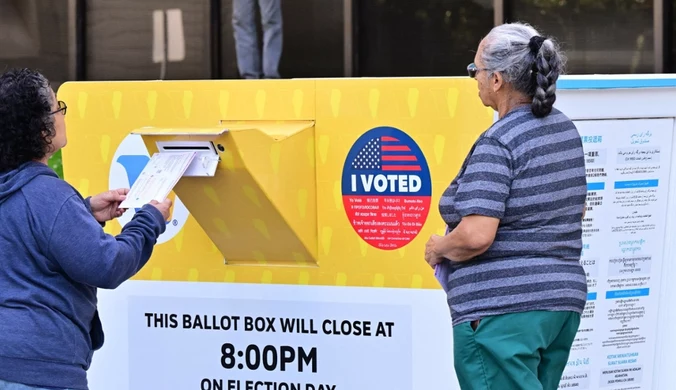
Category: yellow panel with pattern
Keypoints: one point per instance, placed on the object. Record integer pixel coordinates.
(289, 143)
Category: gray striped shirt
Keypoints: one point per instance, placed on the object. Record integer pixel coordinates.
(530, 173)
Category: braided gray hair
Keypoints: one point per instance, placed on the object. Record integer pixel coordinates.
(529, 62)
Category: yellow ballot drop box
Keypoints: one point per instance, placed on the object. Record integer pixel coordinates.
(272, 216)
(274, 205)
(294, 255)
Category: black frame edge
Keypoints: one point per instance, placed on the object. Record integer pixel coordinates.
(215, 39)
(80, 40)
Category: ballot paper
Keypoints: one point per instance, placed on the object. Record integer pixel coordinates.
(158, 178)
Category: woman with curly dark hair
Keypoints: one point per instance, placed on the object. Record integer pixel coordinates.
(54, 253)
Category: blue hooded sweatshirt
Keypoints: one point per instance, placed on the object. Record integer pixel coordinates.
(53, 256)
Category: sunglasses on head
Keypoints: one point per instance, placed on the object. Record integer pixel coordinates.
(472, 70)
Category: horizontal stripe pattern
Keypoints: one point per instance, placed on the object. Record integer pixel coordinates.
(466, 292)
(530, 173)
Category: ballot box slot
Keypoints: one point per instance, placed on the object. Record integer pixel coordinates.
(182, 148)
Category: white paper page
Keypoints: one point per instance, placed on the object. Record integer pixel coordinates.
(158, 178)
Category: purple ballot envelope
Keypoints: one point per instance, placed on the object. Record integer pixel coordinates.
(441, 271)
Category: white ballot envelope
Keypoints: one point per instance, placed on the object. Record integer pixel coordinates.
(158, 178)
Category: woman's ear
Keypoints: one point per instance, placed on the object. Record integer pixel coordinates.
(497, 81)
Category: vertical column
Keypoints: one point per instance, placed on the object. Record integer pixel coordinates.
(347, 38)
(658, 34)
(498, 12)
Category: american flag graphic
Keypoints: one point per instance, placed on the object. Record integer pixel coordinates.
(387, 154)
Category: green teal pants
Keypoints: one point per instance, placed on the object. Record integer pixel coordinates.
(522, 351)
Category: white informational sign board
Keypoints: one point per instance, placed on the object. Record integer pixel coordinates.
(178, 335)
(628, 166)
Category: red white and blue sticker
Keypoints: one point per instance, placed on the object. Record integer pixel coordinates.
(386, 188)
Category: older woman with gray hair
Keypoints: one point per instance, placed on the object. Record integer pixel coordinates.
(510, 262)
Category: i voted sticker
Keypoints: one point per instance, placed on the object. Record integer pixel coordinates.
(386, 188)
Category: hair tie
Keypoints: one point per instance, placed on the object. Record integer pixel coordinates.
(536, 43)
